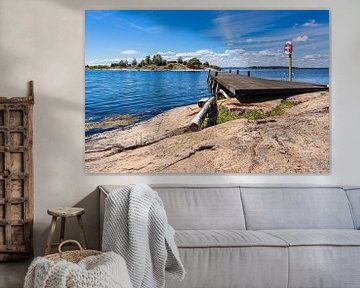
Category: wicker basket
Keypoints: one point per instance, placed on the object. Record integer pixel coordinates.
(72, 256)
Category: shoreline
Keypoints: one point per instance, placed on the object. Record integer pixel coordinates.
(164, 143)
(118, 128)
(151, 70)
(205, 69)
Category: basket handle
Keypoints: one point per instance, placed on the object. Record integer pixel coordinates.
(69, 241)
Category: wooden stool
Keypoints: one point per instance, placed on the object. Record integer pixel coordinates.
(64, 213)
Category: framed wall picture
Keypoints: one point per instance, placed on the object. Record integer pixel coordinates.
(197, 91)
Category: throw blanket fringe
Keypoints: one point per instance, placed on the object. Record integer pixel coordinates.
(136, 227)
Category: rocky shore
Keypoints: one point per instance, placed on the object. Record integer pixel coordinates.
(293, 141)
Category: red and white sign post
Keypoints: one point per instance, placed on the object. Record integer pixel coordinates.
(288, 49)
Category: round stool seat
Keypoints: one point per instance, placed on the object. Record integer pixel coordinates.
(66, 211)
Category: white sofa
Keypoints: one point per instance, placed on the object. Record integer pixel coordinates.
(264, 237)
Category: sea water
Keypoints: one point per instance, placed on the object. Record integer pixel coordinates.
(145, 94)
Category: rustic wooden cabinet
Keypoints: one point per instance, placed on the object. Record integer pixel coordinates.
(16, 177)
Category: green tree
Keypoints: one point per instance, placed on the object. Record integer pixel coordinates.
(180, 60)
(134, 62)
(147, 60)
(101, 67)
(157, 60)
(194, 63)
(123, 63)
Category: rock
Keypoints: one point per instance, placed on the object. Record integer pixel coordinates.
(117, 148)
(110, 122)
(294, 142)
(170, 123)
(234, 106)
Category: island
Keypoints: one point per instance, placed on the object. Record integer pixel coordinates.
(157, 62)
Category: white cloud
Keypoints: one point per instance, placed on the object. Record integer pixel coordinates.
(104, 61)
(302, 38)
(224, 25)
(130, 52)
(310, 23)
(233, 58)
(313, 57)
(199, 54)
(167, 53)
(235, 51)
(228, 57)
(268, 53)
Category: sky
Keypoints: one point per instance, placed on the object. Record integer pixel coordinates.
(230, 38)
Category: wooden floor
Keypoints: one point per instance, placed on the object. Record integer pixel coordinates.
(240, 85)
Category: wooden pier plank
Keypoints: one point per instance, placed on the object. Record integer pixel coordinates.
(243, 85)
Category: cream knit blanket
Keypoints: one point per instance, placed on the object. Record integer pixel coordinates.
(136, 227)
(103, 271)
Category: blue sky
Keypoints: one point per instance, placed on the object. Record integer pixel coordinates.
(237, 38)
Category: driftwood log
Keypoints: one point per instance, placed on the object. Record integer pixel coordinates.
(200, 117)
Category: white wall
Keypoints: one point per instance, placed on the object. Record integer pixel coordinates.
(43, 40)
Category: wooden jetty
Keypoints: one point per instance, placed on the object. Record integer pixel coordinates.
(236, 85)
(246, 89)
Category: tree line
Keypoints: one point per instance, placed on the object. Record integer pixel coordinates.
(155, 60)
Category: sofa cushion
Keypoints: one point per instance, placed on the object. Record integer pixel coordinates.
(338, 237)
(220, 267)
(354, 198)
(199, 207)
(324, 266)
(203, 208)
(296, 208)
(226, 238)
(322, 258)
